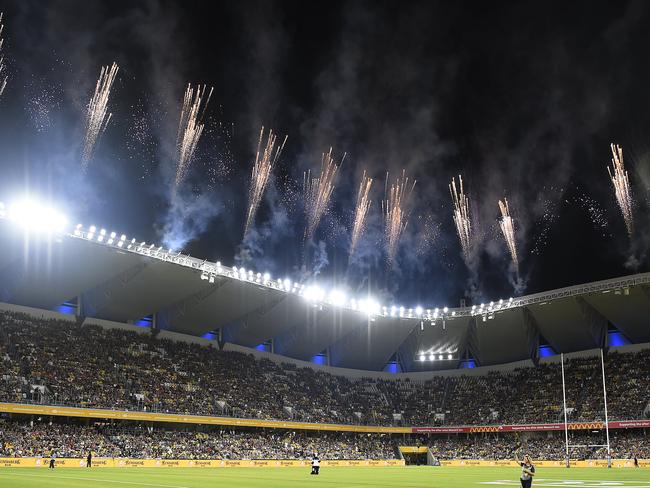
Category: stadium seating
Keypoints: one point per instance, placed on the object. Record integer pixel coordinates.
(57, 362)
(23, 438)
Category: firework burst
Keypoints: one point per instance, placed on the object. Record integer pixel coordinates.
(190, 128)
(3, 66)
(461, 216)
(396, 213)
(621, 184)
(264, 162)
(318, 191)
(361, 211)
(97, 114)
(507, 225)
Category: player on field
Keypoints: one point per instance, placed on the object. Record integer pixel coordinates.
(315, 464)
(527, 471)
(89, 460)
(52, 460)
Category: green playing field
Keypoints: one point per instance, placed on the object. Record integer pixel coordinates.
(409, 477)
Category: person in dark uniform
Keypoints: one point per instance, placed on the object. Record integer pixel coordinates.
(527, 471)
(89, 460)
(52, 461)
(636, 461)
(315, 464)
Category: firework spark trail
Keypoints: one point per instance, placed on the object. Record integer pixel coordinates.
(461, 216)
(190, 128)
(621, 183)
(396, 213)
(264, 163)
(3, 66)
(508, 229)
(361, 211)
(318, 191)
(97, 115)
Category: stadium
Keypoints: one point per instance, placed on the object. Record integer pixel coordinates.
(350, 244)
(234, 369)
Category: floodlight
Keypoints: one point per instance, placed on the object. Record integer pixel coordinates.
(418, 311)
(36, 217)
(422, 357)
(287, 284)
(100, 238)
(449, 356)
(267, 277)
(445, 310)
(113, 234)
(440, 357)
(92, 229)
(120, 243)
(103, 232)
(432, 357)
(337, 298)
(110, 241)
(122, 237)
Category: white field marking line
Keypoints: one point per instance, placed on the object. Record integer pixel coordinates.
(93, 479)
(575, 483)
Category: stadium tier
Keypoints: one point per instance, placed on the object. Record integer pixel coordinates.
(56, 362)
(21, 437)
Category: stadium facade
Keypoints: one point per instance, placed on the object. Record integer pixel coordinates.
(97, 274)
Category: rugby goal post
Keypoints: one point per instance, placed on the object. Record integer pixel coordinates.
(566, 423)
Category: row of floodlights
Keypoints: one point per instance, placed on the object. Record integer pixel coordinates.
(313, 293)
(433, 357)
(491, 307)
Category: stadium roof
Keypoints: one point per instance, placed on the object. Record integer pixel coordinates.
(129, 281)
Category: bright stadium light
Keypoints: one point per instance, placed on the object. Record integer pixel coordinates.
(422, 357)
(432, 357)
(449, 356)
(337, 298)
(287, 284)
(440, 357)
(418, 311)
(267, 277)
(445, 310)
(36, 217)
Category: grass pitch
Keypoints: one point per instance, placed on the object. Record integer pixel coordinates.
(409, 477)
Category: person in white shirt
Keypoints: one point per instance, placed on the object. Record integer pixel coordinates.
(315, 464)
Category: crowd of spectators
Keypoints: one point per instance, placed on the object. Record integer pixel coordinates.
(58, 362)
(624, 444)
(42, 439)
(22, 438)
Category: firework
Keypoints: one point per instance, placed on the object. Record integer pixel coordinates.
(461, 215)
(508, 229)
(396, 213)
(3, 67)
(621, 184)
(190, 128)
(264, 162)
(318, 191)
(97, 115)
(361, 211)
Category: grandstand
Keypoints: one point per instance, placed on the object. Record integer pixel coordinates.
(146, 357)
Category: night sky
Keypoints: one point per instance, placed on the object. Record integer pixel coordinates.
(521, 98)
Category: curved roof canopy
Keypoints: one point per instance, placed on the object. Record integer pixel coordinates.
(128, 281)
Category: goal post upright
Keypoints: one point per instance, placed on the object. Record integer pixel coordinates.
(566, 424)
(602, 364)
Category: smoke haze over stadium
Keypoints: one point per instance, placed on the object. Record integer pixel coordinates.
(521, 98)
